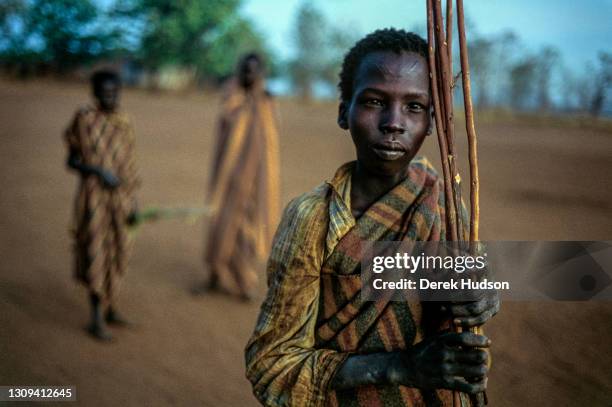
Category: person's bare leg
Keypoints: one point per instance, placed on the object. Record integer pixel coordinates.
(97, 327)
(115, 318)
(244, 274)
(118, 252)
(211, 285)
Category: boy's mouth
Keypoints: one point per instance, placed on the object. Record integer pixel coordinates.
(389, 151)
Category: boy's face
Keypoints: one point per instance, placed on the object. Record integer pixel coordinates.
(107, 95)
(389, 113)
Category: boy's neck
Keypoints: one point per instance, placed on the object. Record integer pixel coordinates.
(367, 188)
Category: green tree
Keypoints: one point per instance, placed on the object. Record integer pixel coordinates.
(584, 88)
(523, 76)
(14, 56)
(67, 32)
(309, 37)
(12, 34)
(547, 62)
(481, 67)
(60, 34)
(337, 44)
(603, 83)
(206, 35)
(320, 48)
(506, 49)
(235, 38)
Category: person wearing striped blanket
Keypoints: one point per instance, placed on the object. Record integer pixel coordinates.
(316, 341)
(100, 141)
(244, 184)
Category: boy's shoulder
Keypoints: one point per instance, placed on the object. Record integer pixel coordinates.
(303, 225)
(312, 204)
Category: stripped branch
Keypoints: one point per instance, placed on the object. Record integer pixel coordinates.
(446, 78)
(449, 203)
(469, 127)
(442, 84)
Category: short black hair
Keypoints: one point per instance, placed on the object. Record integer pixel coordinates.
(249, 56)
(388, 39)
(103, 75)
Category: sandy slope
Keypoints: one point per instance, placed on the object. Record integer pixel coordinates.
(538, 183)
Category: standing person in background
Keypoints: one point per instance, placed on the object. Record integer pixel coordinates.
(244, 183)
(100, 144)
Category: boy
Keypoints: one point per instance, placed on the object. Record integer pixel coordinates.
(101, 149)
(316, 342)
(244, 184)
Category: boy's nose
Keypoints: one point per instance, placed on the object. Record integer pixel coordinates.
(392, 122)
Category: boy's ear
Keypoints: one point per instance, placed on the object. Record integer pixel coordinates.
(343, 116)
(431, 121)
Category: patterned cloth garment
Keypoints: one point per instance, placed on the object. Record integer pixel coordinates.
(101, 243)
(313, 317)
(244, 190)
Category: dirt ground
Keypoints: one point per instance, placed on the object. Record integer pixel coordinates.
(538, 183)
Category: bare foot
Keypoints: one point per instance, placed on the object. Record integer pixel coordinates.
(213, 287)
(99, 332)
(116, 319)
(204, 288)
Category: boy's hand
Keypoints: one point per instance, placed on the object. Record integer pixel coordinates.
(450, 361)
(109, 180)
(475, 313)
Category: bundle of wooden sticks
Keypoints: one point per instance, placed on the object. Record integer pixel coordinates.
(439, 38)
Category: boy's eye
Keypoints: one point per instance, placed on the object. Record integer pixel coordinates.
(415, 107)
(373, 102)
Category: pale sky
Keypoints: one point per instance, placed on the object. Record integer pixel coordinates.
(579, 29)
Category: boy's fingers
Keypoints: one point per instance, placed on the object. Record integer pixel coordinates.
(471, 356)
(474, 321)
(469, 309)
(465, 339)
(465, 370)
(457, 383)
